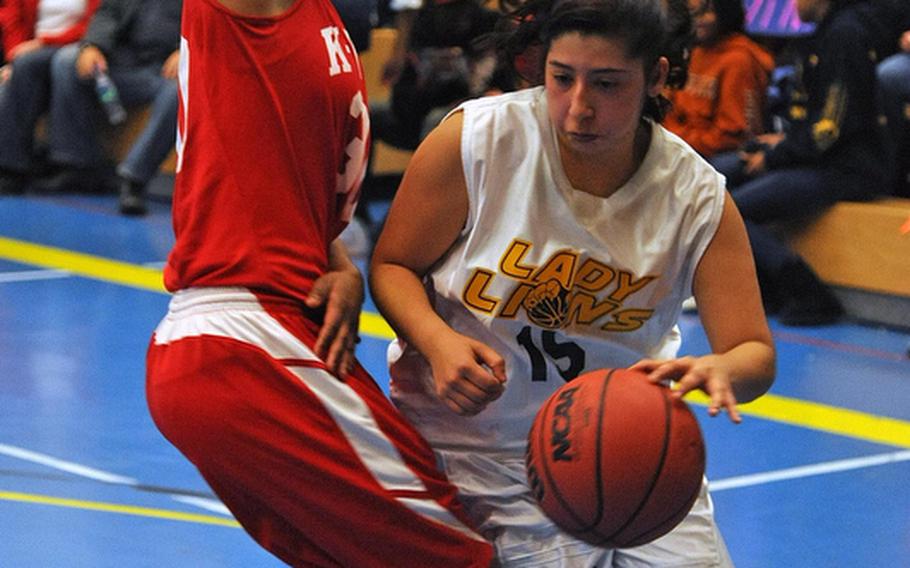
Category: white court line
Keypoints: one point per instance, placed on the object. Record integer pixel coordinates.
(32, 275)
(204, 503)
(808, 471)
(66, 466)
(103, 476)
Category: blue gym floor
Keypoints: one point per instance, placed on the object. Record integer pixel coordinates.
(817, 475)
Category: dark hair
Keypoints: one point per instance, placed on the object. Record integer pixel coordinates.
(678, 42)
(731, 16)
(641, 24)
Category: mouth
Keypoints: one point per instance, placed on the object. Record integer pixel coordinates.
(582, 137)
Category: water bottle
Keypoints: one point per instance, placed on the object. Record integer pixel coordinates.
(109, 97)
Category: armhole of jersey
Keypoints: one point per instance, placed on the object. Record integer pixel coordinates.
(712, 224)
(467, 161)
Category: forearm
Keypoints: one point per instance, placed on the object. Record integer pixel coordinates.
(750, 366)
(103, 26)
(402, 299)
(339, 260)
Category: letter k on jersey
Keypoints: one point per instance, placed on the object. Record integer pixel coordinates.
(338, 53)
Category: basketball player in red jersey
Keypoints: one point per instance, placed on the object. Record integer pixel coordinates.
(251, 374)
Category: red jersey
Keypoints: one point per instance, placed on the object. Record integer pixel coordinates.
(272, 143)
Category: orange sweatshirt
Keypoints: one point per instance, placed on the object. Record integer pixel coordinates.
(721, 105)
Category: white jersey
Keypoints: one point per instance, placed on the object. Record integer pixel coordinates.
(559, 282)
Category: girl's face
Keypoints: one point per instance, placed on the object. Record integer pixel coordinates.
(704, 20)
(596, 93)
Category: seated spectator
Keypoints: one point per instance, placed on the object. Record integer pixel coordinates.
(721, 105)
(137, 43)
(33, 32)
(436, 64)
(894, 89)
(830, 151)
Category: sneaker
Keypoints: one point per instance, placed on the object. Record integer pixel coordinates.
(132, 198)
(11, 183)
(822, 309)
(809, 301)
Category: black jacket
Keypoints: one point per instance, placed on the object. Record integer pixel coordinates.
(112, 25)
(833, 115)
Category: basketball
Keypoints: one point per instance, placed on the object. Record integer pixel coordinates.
(614, 460)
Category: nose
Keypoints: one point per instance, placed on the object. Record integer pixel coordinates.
(580, 106)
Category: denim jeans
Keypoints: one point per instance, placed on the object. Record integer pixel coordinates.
(23, 99)
(75, 114)
(783, 195)
(894, 101)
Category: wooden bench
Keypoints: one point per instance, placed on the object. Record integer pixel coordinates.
(386, 159)
(863, 250)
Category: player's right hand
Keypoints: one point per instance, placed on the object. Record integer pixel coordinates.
(468, 374)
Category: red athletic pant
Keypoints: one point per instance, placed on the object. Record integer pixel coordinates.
(320, 471)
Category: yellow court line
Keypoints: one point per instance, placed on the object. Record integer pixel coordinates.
(374, 325)
(794, 412)
(121, 509)
(824, 418)
(82, 264)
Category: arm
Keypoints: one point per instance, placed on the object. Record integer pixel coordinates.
(18, 26)
(340, 291)
(404, 23)
(426, 218)
(104, 25)
(741, 365)
(100, 38)
(838, 108)
(737, 108)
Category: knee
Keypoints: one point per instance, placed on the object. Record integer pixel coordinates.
(893, 72)
(63, 65)
(32, 64)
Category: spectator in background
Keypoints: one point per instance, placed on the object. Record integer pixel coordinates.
(33, 32)
(137, 43)
(830, 151)
(721, 105)
(359, 17)
(894, 89)
(436, 63)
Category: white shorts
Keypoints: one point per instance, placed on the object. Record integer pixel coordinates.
(496, 494)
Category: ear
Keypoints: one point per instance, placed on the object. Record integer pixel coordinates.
(658, 77)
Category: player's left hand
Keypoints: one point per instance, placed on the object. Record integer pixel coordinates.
(690, 373)
(171, 66)
(753, 162)
(341, 293)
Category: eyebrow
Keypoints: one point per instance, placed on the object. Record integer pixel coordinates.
(610, 70)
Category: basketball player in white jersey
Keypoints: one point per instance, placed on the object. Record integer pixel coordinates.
(251, 374)
(541, 234)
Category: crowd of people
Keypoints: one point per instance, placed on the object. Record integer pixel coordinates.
(81, 63)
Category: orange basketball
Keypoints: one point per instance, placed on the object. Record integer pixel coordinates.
(614, 460)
